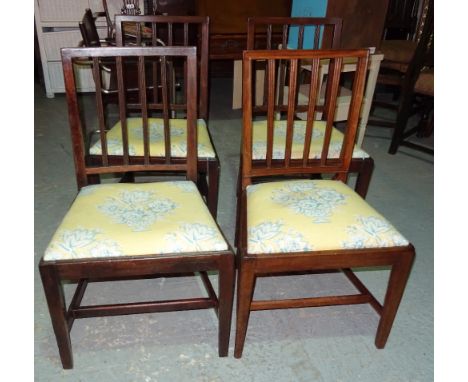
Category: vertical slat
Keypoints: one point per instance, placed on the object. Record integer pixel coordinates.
(317, 37)
(170, 35)
(284, 43)
(192, 140)
(271, 110)
(291, 110)
(333, 83)
(154, 42)
(300, 42)
(167, 136)
(144, 106)
(122, 108)
(246, 143)
(268, 42)
(250, 34)
(138, 33)
(186, 34)
(313, 94)
(100, 110)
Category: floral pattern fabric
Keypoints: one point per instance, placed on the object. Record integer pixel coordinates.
(178, 129)
(122, 219)
(306, 215)
(279, 141)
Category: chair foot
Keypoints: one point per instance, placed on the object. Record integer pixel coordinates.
(226, 298)
(56, 302)
(245, 290)
(396, 286)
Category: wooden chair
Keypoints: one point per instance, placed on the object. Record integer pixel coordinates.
(400, 58)
(118, 230)
(319, 33)
(309, 225)
(417, 95)
(180, 31)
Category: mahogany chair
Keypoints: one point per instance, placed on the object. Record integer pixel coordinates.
(179, 31)
(397, 71)
(308, 225)
(317, 33)
(118, 231)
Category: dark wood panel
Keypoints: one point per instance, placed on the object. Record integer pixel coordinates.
(363, 21)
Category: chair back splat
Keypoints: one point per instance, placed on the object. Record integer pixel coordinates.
(146, 60)
(294, 159)
(170, 31)
(274, 32)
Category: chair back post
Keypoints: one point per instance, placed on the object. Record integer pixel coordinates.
(157, 24)
(301, 164)
(137, 57)
(88, 29)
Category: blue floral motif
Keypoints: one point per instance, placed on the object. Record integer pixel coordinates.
(137, 209)
(194, 237)
(270, 237)
(371, 232)
(156, 131)
(114, 147)
(88, 190)
(183, 185)
(81, 243)
(305, 198)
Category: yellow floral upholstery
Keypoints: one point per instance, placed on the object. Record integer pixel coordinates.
(178, 128)
(129, 219)
(279, 139)
(306, 215)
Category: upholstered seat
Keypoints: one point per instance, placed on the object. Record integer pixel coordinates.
(313, 215)
(318, 133)
(123, 219)
(178, 128)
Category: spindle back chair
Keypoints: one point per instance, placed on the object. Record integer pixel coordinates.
(118, 230)
(306, 225)
(273, 33)
(181, 31)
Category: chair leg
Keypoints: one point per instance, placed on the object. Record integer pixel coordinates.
(401, 122)
(213, 186)
(238, 208)
(364, 176)
(226, 298)
(245, 290)
(396, 286)
(56, 302)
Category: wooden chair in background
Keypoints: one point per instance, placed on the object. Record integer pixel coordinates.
(180, 31)
(118, 230)
(306, 225)
(401, 59)
(319, 33)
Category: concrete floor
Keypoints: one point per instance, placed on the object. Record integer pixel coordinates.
(312, 344)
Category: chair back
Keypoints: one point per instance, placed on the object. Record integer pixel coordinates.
(88, 30)
(299, 161)
(170, 31)
(270, 32)
(149, 61)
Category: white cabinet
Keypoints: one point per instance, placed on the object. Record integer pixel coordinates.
(57, 27)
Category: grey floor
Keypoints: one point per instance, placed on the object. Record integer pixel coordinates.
(313, 344)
